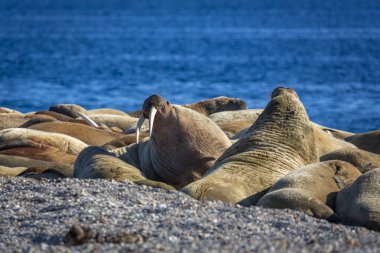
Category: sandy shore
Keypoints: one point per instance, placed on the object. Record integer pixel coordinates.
(37, 214)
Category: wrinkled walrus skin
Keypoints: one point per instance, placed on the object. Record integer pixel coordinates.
(280, 141)
(312, 189)
(183, 144)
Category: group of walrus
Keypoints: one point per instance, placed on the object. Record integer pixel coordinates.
(215, 149)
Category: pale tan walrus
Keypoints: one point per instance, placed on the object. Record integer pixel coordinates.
(183, 144)
(279, 142)
(311, 189)
(62, 142)
(360, 202)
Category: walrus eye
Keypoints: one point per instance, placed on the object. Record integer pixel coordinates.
(167, 102)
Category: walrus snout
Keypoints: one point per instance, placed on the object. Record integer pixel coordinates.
(154, 101)
(152, 105)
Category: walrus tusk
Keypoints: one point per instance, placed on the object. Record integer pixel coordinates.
(152, 114)
(138, 126)
(88, 120)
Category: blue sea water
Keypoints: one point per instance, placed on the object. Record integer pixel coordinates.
(117, 53)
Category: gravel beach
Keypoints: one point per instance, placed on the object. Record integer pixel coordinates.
(37, 214)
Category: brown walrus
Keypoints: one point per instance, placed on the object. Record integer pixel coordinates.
(280, 141)
(210, 106)
(326, 142)
(311, 189)
(71, 110)
(369, 141)
(363, 160)
(56, 115)
(219, 104)
(85, 133)
(34, 150)
(11, 120)
(35, 166)
(182, 146)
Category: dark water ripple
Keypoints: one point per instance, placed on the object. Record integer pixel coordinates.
(116, 53)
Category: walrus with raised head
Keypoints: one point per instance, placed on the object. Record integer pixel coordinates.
(280, 141)
(183, 144)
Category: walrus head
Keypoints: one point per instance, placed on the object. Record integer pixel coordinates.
(281, 90)
(151, 106)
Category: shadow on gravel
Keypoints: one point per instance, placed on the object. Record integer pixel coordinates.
(79, 234)
(48, 239)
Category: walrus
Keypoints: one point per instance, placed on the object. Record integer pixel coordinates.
(363, 160)
(183, 143)
(62, 142)
(311, 189)
(8, 110)
(11, 171)
(106, 111)
(36, 166)
(34, 150)
(210, 106)
(360, 202)
(340, 134)
(95, 162)
(218, 104)
(56, 115)
(85, 133)
(70, 110)
(123, 122)
(12, 120)
(250, 115)
(235, 121)
(369, 141)
(326, 142)
(280, 141)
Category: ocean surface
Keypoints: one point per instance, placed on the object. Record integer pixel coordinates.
(117, 53)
